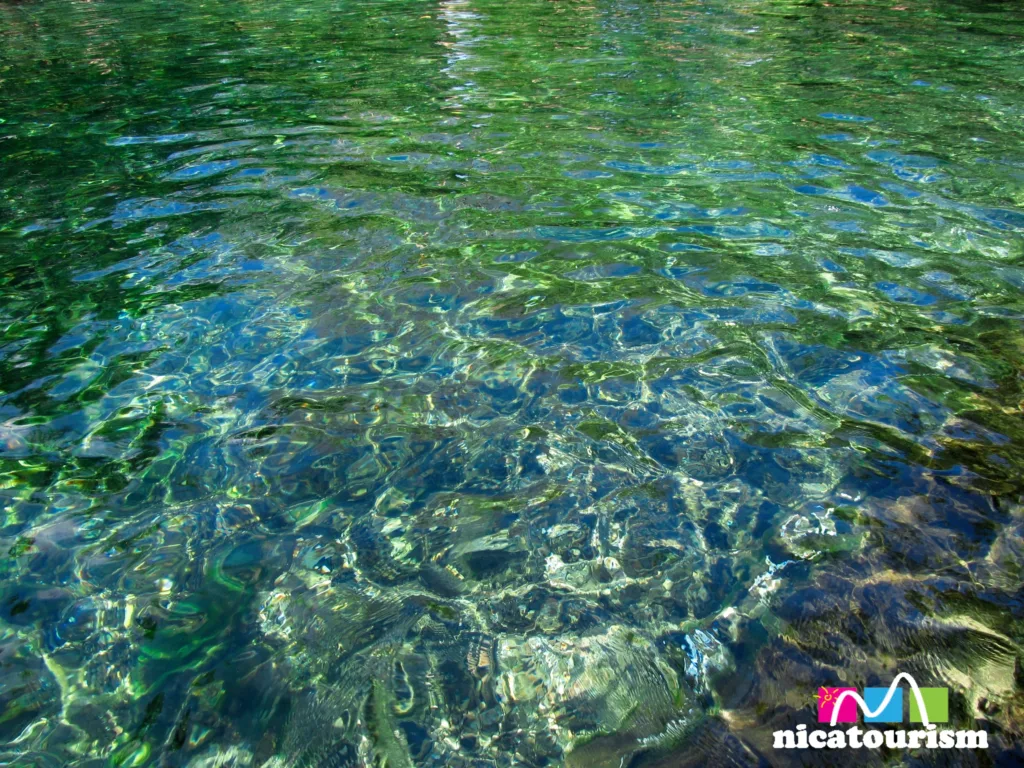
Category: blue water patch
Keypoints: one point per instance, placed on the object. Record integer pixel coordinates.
(131, 210)
(1000, 218)
(737, 232)
(844, 118)
(604, 271)
(900, 160)
(770, 249)
(596, 234)
(860, 194)
(916, 168)
(900, 190)
(686, 247)
(202, 170)
(588, 174)
(730, 165)
(826, 161)
(892, 258)
(657, 170)
(845, 226)
(852, 193)
(755, 176)
(170, 138)
(905, 295)
(678, 272)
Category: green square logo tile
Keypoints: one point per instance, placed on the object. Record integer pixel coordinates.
(936, 704)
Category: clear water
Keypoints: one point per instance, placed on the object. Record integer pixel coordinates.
(487, 383)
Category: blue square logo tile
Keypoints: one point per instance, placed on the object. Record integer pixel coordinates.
(893, 712)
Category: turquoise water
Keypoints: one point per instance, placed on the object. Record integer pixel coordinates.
(485, 383)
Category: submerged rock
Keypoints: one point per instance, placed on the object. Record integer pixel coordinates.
(602, 697)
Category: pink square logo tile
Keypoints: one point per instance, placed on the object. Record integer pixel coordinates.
(827, 698)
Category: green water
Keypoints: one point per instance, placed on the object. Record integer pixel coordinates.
(487, 383)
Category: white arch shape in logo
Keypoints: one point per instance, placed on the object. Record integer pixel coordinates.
(885, 702)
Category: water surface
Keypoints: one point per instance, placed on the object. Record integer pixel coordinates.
(480, 383)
